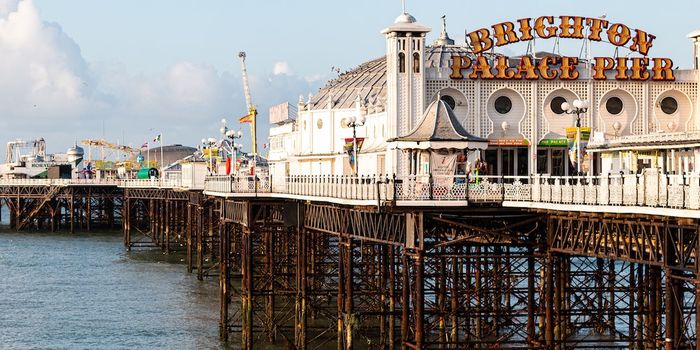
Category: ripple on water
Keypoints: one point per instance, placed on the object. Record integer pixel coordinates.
(83, 291)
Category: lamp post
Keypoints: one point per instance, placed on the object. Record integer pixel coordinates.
(228, 143)
(209, 144)
(353, 123)
(579, 107)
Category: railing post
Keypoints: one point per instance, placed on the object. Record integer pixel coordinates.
(683, 190)
(466, 187)
(668, 184)
(503, 188)
(430, 186)
(393, 195)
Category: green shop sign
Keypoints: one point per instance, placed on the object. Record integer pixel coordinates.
(554, 143)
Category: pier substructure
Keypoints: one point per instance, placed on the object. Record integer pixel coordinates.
(315, 275)
(159, 216)
(63, 207)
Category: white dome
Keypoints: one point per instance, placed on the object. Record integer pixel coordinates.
(405, 18)
(75, 151)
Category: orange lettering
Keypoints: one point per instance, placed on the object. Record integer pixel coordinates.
(621, 69)
(543, 67)
(569, 29)
(458, 64)
(540, 28)
(663, 70)
(526, 67)
(568, 68)
(504, 33)
(619, 34)
(596, 27)
(482, 68)
(502, 71)
(480, 40)
(525, 29)
(639, 68)
(602, 64)
(642, 42)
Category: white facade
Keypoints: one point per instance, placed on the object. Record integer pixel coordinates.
(392, 93)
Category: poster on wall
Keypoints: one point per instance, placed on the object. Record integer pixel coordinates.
(443, 167)
(578, 143)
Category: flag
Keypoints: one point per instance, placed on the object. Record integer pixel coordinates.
(157, 138)
(144, 146)
(246, 119)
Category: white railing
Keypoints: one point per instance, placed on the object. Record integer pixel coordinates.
(238, 184)
(651, 189)
(58, 182)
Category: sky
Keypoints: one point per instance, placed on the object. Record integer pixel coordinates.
(127, 70)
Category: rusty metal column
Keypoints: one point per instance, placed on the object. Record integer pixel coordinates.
(224, 279)
(420, 302)
(345, 294)
(269, 237)
(531, 295)
(189, 238)
(246, 289)
(300, 318)
(200, 242)
(168, 223)
(549, 302)
(405, 301)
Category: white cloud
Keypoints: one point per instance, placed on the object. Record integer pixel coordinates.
(281, 68)
(48, 89)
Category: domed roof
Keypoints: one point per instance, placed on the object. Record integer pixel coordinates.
(75, 151)
(694, 34)
(405, 18)
(368, 81)
(439, 128)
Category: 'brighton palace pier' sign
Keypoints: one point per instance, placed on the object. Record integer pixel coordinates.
(573, 27)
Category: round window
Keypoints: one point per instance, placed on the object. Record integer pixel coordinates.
(449, 100)
(503, 105)
(669, 105)
(319, 123)
(614, 105)
(556, 103)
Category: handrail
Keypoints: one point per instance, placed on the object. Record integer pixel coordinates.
(651, 189)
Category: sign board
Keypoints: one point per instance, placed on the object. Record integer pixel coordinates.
(509, 142)
(279, 113)
(553, 143)
(494, 66)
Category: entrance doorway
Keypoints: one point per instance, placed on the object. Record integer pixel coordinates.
(507, 161)
(554, 161)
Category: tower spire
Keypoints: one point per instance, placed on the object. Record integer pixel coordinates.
(403, 6)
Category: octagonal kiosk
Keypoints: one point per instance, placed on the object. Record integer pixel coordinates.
(440, 155)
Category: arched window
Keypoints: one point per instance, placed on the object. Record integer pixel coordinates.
(416, 62)
(402, 62)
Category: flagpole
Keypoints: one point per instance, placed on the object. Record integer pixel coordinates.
(148, 154)
(162, 165)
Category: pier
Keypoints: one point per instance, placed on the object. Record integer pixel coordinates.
(384, 262)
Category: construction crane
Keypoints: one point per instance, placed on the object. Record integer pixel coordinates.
(252, 110)
(104, 144)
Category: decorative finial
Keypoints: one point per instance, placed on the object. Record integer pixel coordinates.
(403, 6)
(444, 24)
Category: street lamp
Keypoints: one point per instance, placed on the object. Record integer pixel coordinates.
(209, 143)
(579, 107)
(353, 123)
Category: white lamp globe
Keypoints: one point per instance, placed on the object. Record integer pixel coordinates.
(578, 103)
(239, 133)
(362, 120)
(565, 106)
(204, 141)
(212, 140)
(586, 104)
(223, 130)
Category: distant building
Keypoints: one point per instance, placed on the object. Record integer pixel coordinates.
(171, 154)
